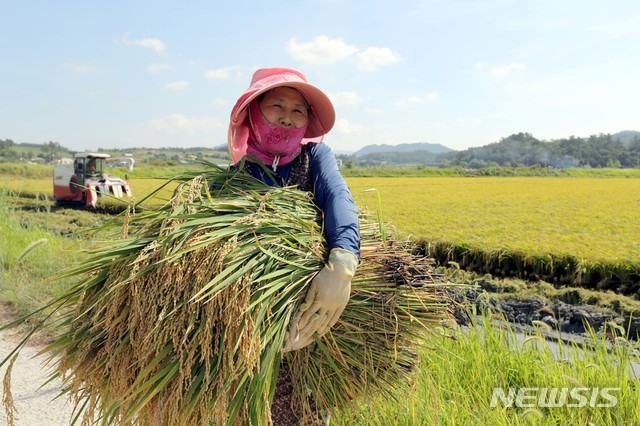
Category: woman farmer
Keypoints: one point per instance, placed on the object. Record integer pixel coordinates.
(281, 120)
(275, 121)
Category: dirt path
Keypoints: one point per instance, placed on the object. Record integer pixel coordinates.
(36, 404)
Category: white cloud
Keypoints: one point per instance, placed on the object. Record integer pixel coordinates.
(79, 68)
(156, 68)
(375, 57)
(344, 127)
(321, 50)
(177, 85)
(221, 73)
(412, 100)
(149, 43)
(345, 99)
(506, 69)
(180, 123)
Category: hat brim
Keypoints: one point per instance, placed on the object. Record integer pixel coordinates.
(322, 116)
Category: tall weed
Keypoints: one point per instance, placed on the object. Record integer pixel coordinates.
(29, 256)
(458, 374)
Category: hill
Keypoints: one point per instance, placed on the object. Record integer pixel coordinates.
(523, 149)
(434, 148)
(626, 136)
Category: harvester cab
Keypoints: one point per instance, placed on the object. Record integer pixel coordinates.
(83, 180)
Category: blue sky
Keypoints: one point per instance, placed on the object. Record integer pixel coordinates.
(120, 74)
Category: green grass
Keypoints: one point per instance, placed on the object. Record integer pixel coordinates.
(455, 382)
(26, 170)
(29, 255)
(533, 171)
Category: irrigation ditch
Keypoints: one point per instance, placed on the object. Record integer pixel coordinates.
(564, 292)
(557, 322)
(571, 319)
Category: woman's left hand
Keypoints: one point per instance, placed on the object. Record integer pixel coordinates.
(326, 298)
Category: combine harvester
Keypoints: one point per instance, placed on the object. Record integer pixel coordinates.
(83, 180)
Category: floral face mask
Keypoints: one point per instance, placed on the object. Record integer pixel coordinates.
(271, 143)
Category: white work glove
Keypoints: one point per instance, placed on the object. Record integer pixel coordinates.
(326, 298)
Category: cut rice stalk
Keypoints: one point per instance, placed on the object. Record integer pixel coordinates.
(183, 321)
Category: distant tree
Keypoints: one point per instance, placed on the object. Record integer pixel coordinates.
(634, 151)
(51, 151)
(477, 164)
(445, 164)
(7, 143)
(613, 164)
(9, 154)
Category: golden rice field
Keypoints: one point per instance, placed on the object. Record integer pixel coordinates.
(576, 231)
(591, 218)
(596, 219)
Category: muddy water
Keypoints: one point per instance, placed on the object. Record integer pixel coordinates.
(551, 342)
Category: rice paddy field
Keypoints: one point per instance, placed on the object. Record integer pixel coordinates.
(543, 221)
(594, 219)
(581, 231)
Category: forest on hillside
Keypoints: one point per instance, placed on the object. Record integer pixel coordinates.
(523, 150)
(621, 150)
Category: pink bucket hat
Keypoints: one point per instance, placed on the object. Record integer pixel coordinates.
(321, 119)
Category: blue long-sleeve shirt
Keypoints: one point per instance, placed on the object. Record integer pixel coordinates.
(331, 194)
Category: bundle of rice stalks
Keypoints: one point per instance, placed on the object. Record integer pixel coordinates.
(182, 319)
